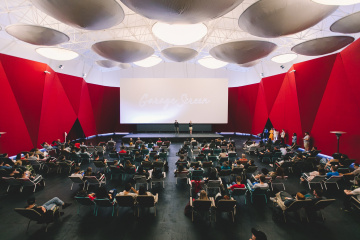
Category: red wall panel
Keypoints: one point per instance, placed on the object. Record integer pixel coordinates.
(272, 86)
(285, 111)
(17, 137)
(86, 115)
(72, 86)
(246, 107)
(338, 111)
(261, 113)
(311, 79)
(26, 79)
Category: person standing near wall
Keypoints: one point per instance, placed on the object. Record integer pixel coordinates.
(176, 125)
(306, 141)
(190, 127)
(282, 136)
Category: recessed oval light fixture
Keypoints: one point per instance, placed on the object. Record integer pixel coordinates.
(60, 54)
(179, 34)
(284, 58)
(149, 62)
(212, 63)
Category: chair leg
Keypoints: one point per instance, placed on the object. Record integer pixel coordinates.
(284, 216)
(72, 186)
(192, 215)
(27, 229)
(155, 210)
(8, 188)
(232, 214)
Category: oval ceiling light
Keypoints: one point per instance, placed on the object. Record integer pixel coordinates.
(348, 24)
(275, 18)
(321, 46)
(179, 34)
(149, 62)
(60, 54)
(84, 14)
(123, 51)
(107, 63)
(337, 2)
(37, 35)
(212, 63)
(241, 52)
(182, 11)
(179, 54)
(284, 58)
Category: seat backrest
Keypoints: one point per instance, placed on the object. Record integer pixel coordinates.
(76, 179)
(113, 155)
(232, 155)
(318, 178)
(238, 191)
(91, 179)
(321, 204)
(105, 202)
(140, 179)
(237, 170)
(213, 183)
(29, 213)
(99, 148)
(260, 190)
(201, 205)
(145, 201)
(296, 205)
(251, 169)
(207, 164)
(225, 172)
(181, 174)
(84, 201)
(158, 164)
(11, 181)
(125, 201)
(225, 205)
(99, 164)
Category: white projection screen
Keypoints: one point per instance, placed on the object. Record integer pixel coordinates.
(164, 100)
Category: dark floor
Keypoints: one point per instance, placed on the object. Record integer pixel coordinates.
(170, 222)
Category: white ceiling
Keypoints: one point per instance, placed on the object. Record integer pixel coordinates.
(137, 28)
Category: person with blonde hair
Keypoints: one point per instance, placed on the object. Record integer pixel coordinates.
(190, 127)
(203, 195)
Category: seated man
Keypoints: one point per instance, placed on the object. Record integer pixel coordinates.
(48, 206)
(333, 172)
(261, 184)
(129, 190)
(238, 184)
(284, 199)
(356, 170)
(349, 194)
(182, 162)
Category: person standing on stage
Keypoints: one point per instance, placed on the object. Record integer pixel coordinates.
(176, 125)
(190, 127)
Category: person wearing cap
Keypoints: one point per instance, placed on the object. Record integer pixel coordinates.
(257, 235)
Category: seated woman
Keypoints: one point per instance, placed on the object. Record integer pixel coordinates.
(223, 154)
(203, 195)
(237, 184)
(219, 197)
(279, 172)
(142, 172)
(129, 190)
(89, 172)
(143, 192)
(129, 167)
(102, 193)
(264, 172)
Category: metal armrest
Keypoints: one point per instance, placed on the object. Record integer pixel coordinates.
(191, 202)
(212, 202)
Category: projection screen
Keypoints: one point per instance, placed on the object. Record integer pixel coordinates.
(164, 100)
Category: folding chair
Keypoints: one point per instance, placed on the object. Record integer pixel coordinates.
(200, 206)
(84, 201)
(125, 201)
(333, 180)
(147, 201)
(78, 180)
(228, 206)
(104, 203)
(94, 181)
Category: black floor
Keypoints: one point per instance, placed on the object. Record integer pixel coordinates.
(170, 222)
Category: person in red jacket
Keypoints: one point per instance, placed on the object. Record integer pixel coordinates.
(238, 184)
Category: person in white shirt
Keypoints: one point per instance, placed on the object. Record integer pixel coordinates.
(349, 194)
(276, 134)
(282, 136)
(306, 141)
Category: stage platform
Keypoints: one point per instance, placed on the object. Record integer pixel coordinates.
(173, 136)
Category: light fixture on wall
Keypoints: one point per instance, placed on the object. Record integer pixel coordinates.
(179, 34)
(149, 62)
(282, 66)
(337, 2)
(61, 66)
(84, 75)
(262, 75)
(284, 58)
(212, 63)
(60, 54)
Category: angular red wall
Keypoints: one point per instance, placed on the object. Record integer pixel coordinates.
(319, 97)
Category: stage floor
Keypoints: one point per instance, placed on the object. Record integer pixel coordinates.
(174, 136)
